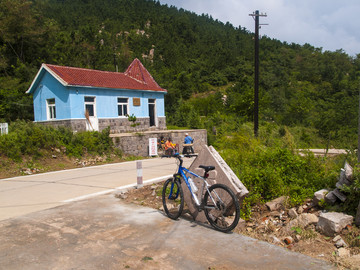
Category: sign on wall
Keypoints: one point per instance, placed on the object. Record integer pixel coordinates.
(152, 147)
(136, 101)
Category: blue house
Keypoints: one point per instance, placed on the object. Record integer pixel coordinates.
(85, 99)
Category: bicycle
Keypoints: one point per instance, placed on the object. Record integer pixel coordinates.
(218, 201)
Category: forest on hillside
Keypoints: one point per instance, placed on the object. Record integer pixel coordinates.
(206, 65)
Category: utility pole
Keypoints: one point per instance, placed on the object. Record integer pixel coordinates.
(256, 16)
(358, 150)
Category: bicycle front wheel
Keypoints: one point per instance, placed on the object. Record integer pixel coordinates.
(173, 198)
(221, 208)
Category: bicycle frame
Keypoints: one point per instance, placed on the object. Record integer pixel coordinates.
(182, 172)
(219, 203)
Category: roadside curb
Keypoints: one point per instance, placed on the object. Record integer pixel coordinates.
(118, 189)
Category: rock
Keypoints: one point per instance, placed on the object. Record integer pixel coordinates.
(303, 220)
(277, 203)
(339, 194)
(340, 243)
(241, 224)
(343, 253)
(121, 195)
(336, 238)
(320, 195)
(357, 218)
(353, 260)
(275, 214)
(343, 180)
(297, 238)
(333, 222)
(300, 209)
(27, 171)
(348, 171)
(292, 213)
(275, 240)
(330, 198)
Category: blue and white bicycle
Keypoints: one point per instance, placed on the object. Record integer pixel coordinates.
(219, 203)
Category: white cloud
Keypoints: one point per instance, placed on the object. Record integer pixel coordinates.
(329, 24)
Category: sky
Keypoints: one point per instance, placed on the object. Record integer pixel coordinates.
(328, 24)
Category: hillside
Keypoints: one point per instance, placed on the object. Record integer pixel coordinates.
(206, 65)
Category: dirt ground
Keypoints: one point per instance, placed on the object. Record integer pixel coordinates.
(51, 161)
(271, 227)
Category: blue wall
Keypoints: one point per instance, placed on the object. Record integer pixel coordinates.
(47, 88)
(69, 101)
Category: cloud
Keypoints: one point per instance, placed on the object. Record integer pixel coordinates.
(329, 24)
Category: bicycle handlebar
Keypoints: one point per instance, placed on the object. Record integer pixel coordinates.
(178, 156)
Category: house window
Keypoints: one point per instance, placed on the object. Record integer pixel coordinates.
(90, 106)
(51, 111)
(122, 106)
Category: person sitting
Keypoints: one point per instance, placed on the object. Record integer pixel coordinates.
(188, 144)
(161, 144)
(170, 147)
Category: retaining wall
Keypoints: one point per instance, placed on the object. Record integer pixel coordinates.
(117, 125)
(138, 143)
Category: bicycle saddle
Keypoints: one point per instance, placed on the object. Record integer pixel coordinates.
(207, 168)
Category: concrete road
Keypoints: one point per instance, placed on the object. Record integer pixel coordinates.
(104, 233)
(27, 194)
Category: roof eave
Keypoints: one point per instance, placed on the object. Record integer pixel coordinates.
(111, 88)
(38, 75)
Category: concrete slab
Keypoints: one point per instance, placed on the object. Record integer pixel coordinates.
(104, 233)
(222, 174)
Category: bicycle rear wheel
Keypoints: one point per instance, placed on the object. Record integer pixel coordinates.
(221, 208)
(173, 198)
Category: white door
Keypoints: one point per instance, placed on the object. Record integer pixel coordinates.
(92, 123)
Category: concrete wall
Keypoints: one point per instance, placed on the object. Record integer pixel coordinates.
(222, 174)
(138, 143)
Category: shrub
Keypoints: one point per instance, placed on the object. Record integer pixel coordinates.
(27, 138)
(269, 172)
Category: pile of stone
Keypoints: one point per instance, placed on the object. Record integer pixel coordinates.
(333, 196)
(345, 178)
(284, 226)
(90, 161)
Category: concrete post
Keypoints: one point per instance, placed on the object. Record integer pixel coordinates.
(139, 174)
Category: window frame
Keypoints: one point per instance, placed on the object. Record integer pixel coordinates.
(51, 109)
(93, 103)
(119, 103)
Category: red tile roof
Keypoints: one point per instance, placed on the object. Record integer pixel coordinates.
(135, 77)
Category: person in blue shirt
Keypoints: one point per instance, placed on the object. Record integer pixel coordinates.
(188, 140)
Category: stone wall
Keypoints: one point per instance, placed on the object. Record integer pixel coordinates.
(117, 125)
(76, 124)
(138, 143)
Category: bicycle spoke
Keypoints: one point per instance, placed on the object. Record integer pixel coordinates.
(221, 208)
